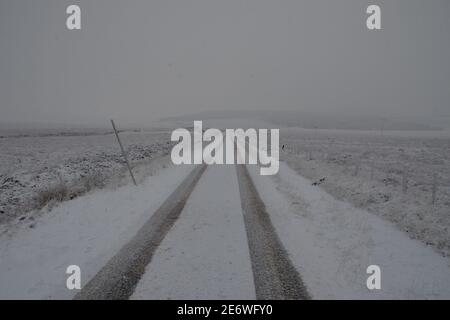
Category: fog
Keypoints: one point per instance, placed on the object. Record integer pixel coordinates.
(138, 61)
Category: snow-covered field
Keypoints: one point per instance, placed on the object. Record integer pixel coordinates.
(342, 200)
(42, 166)
(391, 174)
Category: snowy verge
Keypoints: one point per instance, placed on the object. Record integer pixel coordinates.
(332, 243)
(86, 231)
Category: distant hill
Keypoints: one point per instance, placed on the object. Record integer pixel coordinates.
(311, 120)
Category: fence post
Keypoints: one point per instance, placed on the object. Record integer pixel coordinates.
(434, 189)
(356, 171)
(123, 152)
(404, 181)
(371, 171)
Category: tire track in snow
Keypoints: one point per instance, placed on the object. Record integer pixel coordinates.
(274, 275)
(119, 277)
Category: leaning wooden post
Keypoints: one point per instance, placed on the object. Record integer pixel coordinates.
(123, 152)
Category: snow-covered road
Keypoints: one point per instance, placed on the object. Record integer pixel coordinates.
(206, 253)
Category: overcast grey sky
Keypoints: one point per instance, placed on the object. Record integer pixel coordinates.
(138, 60)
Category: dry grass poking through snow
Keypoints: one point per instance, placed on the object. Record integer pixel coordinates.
(368, 170)
(39, 171)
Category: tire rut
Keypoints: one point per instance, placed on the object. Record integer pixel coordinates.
(274, 275)
(119, 277)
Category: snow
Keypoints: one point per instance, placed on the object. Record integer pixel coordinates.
(368, 169)
(332, 243)
(332, 230)
(30, 165)
(86, 231)
(205, 255)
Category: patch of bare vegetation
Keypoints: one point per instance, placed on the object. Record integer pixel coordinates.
(62, 191)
